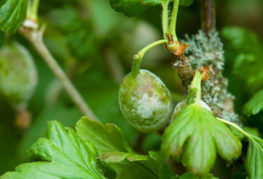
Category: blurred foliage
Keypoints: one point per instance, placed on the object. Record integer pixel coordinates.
(244, 53)
(87, 37)
(13, 14)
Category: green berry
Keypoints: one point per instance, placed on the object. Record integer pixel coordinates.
(18, 74)
(145, 101)
(183, 104)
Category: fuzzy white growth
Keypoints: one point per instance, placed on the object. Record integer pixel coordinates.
(203, 50)
(148, 104)
(145, 101)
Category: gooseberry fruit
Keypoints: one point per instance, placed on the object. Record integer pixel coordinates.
(18, 74)
(181, 105)
(145, 101)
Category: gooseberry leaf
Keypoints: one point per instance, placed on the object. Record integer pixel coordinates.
(64, 155)
(105, 137)
(142, 166)
(255, 104)
(115, 151)
(120, 156)
(166, 172)
(254, 158)
(138, 170)
(12, 14)
(195, 135)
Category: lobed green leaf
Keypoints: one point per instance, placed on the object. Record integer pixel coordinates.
(65, 156)
(115, 151)
(195, 135)
(105, 137)
(254, 158)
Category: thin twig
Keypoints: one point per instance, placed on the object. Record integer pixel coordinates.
(183, 68)
(36, 38)
(208, 15)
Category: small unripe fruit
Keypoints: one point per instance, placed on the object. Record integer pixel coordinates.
(18, 75)
(145, 101)
(181, 105)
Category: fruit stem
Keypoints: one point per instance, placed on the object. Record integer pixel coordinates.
(172, 28)
(165, 17)
(32, 9)
(195, 89)
(139, 56)
(235, 126)
(35, 36)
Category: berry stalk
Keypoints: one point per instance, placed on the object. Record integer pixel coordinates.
(139, 56)
(194, 95)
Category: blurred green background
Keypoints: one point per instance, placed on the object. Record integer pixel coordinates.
(94, 45)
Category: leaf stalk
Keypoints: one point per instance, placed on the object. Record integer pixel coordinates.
(235, 126)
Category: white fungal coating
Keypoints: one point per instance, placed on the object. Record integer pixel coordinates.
(145, 101)
(147, 105)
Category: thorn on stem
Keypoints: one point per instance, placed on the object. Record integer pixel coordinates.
(42, 29)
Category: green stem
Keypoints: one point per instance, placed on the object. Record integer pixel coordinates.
(172, 29)
(32, 10)
(165, 17)
(195, 89)
(139, 56)
(235, 126)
